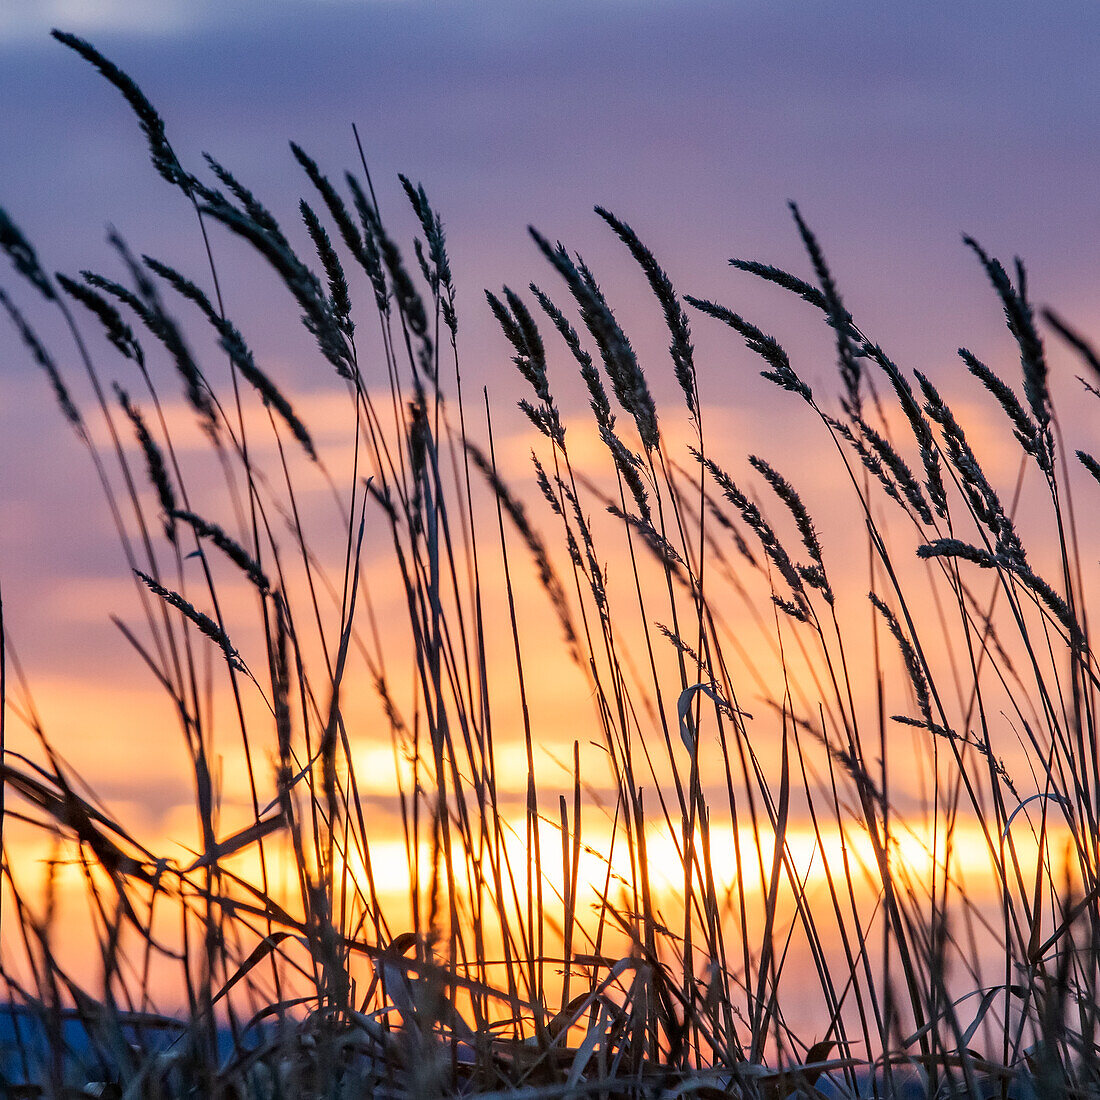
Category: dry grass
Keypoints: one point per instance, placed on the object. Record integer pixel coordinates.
(743, 741)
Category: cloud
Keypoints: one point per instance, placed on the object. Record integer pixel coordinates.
(31, 19)
(22, 20)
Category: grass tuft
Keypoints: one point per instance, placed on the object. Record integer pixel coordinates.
(721, 830)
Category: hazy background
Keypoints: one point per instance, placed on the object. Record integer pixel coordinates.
(896, 127)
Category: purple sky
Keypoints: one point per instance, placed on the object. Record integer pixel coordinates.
(895, 126)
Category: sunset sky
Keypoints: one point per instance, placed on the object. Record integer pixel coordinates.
(896, 127)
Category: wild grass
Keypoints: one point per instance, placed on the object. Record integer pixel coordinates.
(829, 828)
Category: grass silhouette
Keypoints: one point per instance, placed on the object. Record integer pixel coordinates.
(541, 951)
